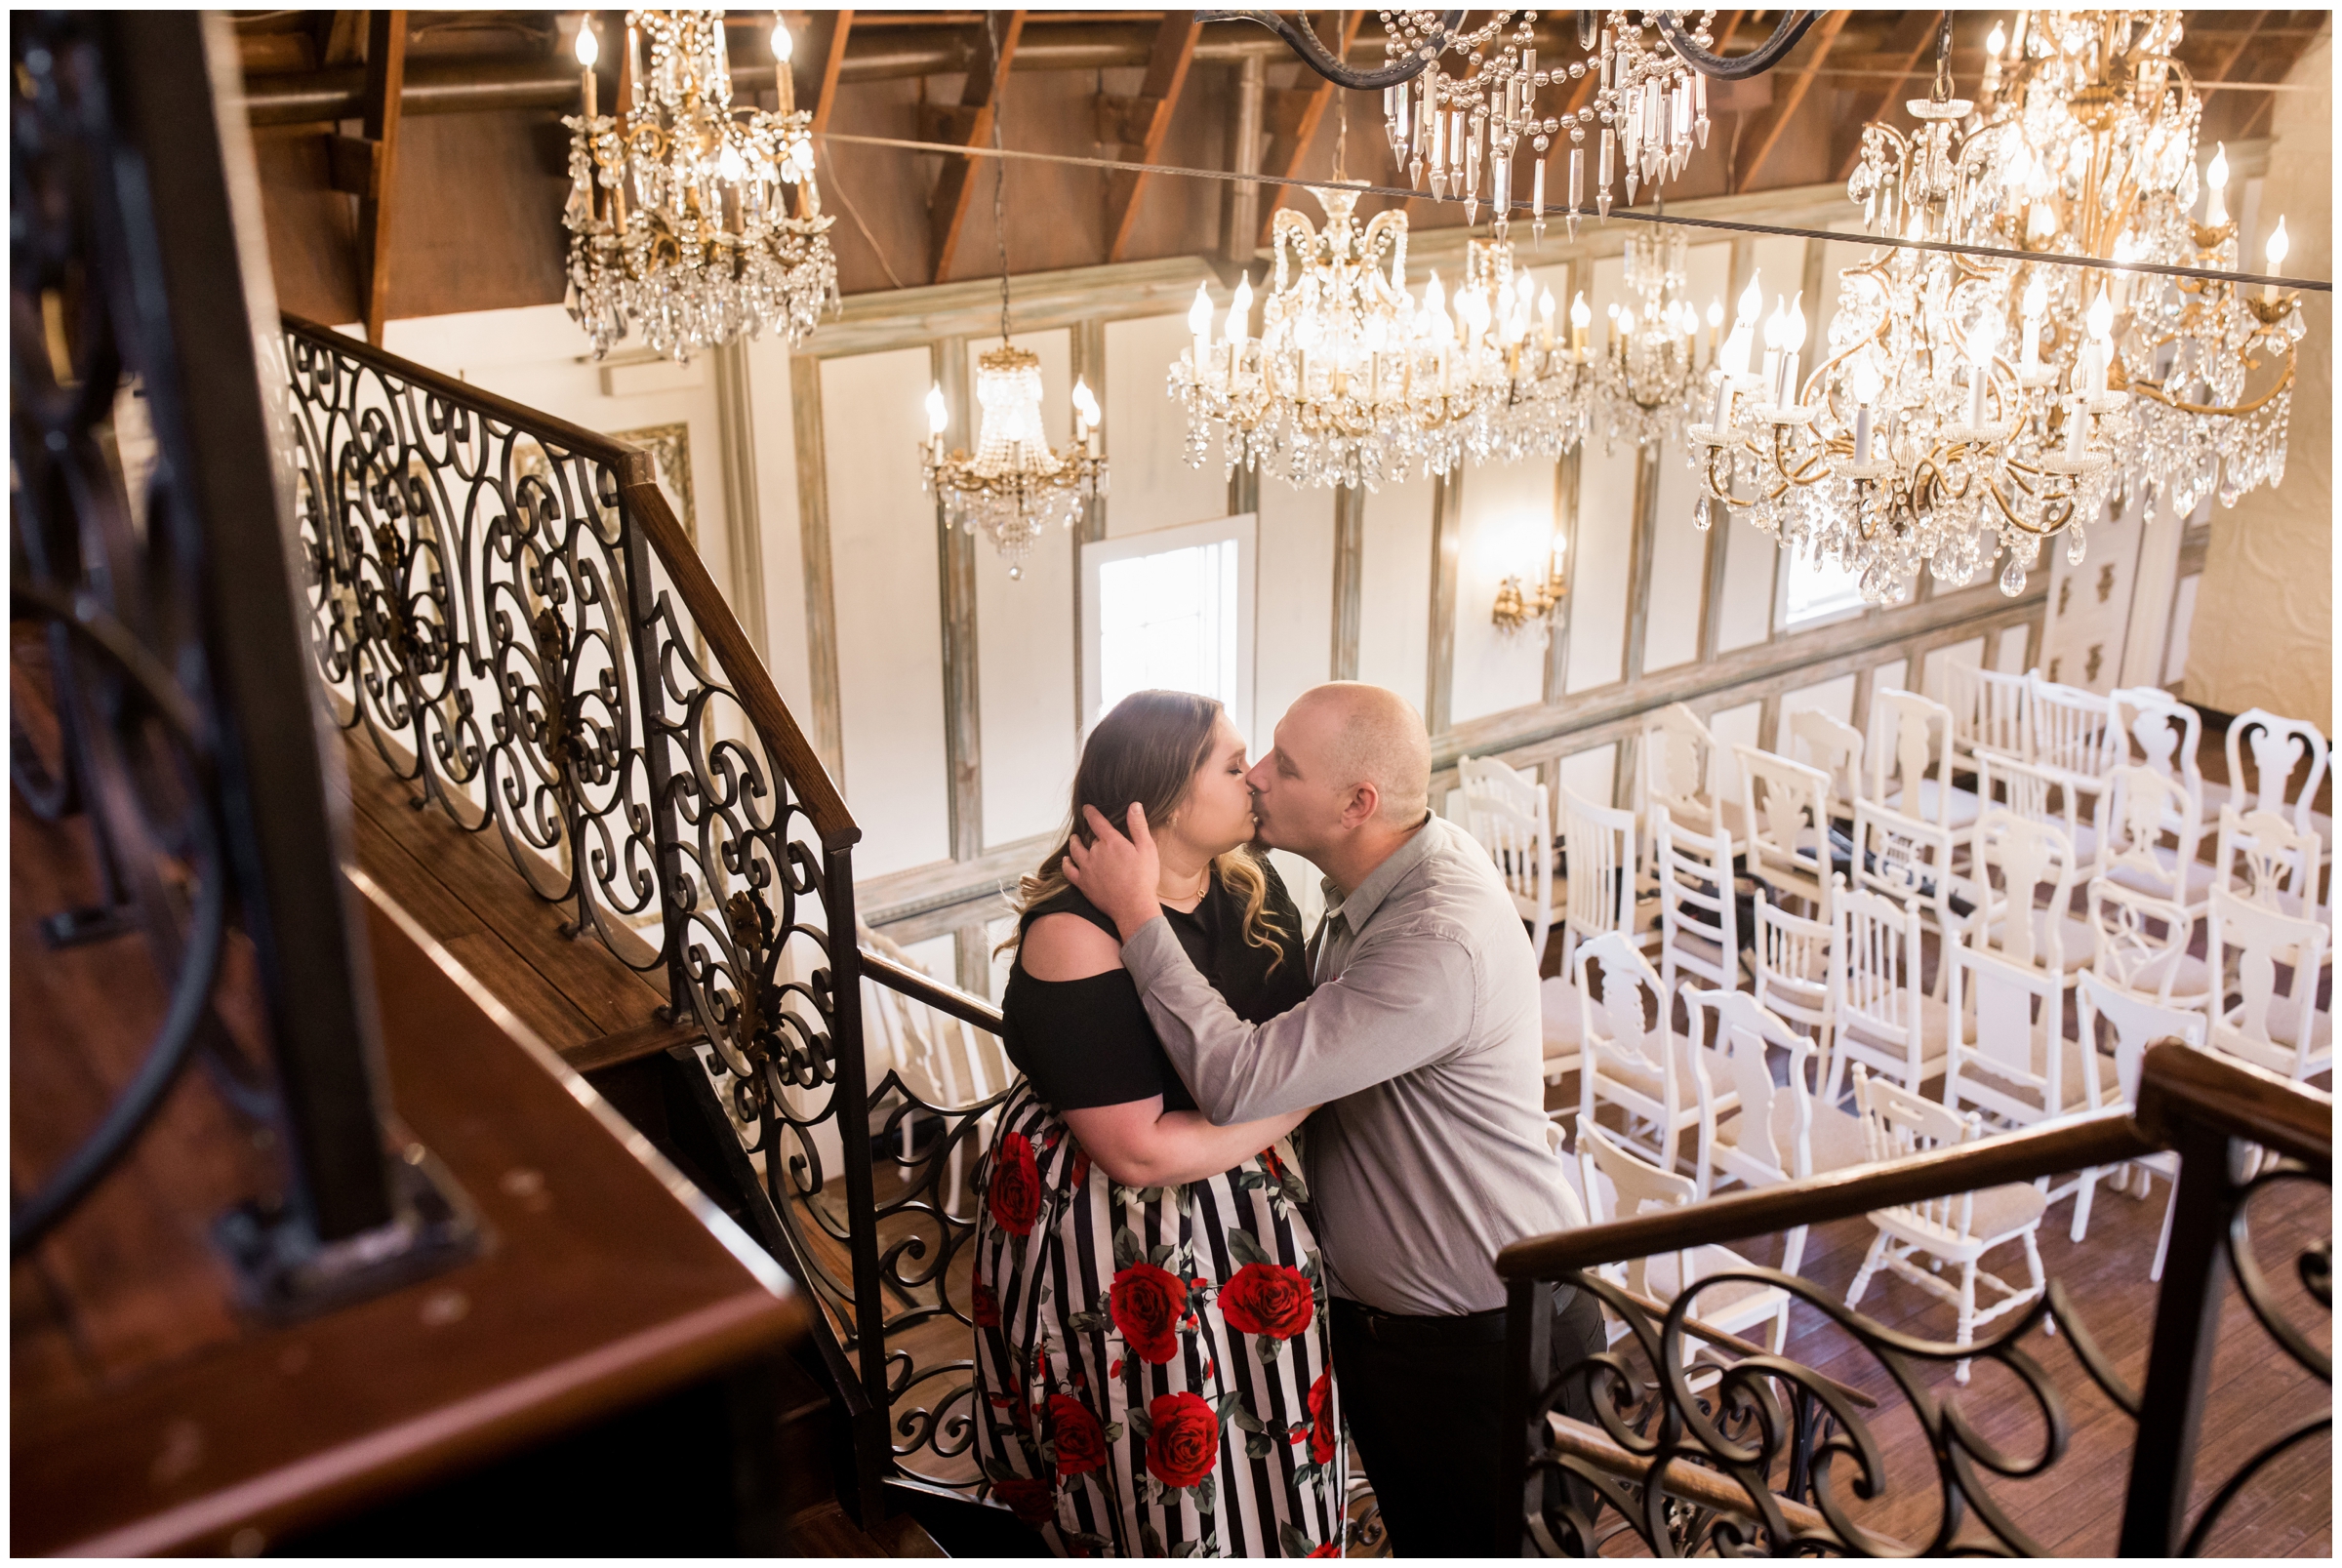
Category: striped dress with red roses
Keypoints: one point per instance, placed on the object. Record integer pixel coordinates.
(1153, 1365)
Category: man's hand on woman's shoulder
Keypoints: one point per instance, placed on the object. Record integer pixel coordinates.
(1118, 873)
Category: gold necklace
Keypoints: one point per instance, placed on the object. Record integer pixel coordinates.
(1203, 885)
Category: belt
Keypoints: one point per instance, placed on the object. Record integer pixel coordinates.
(1398, 1328)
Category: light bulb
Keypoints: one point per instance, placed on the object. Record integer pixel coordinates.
(2215, 174)
(1434, 297)
(1239, 310)
(1544, 306)
(1716, 314)
(728, 165)
(2101, 319)
(1983, 338)
(2278, 245)
(2037, 298)
(1085, 403)
(1995, 42)
(589, 47)
(1200, 314)
(1579, 314)
(1863, 375)
(937, 416)
(784, 46)
(1795, 324)
(1751, 299)
(2215, 180)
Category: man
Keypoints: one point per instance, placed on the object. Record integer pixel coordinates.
(1422, 1043)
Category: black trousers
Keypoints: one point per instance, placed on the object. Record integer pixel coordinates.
(1423, 1396)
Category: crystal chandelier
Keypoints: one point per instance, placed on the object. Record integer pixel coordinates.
(1510, 387)
(680, 216)
(2097, 157)
(1015, 485)
(1917, 440)
(1648, 376)
(1649, 104)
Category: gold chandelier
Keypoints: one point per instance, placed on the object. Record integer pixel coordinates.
(690, 220)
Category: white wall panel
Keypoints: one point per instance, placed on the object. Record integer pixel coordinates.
(1932, 676)
(890, 662)
(2183, 617)
(2010, 656)
(1507, 528)
(1589, 775)
(1734, 726)
(1024, 641)
(1835, 698)
(1394, 594)
(1147, 431)
(778, 540)
(1750, 557)
(1293, 605)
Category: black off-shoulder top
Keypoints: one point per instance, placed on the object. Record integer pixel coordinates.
(1089, 1042)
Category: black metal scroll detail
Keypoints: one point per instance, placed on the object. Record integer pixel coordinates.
(1739, 68)
(1295, 31)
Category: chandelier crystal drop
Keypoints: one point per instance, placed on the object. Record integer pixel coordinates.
(689, 220)
(1510, 385)
(1472, 108)
(1648, 377)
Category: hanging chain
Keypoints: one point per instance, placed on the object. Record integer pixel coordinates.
(991, 38)
(1341, 104)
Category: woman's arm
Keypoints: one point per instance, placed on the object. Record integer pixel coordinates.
(1137, 1142)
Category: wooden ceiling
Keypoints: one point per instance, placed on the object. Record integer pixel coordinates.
(446, 194)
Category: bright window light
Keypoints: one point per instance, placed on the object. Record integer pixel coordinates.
(1818, 589)
(1169, 609)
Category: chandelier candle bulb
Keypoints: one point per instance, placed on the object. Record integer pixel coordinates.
(2215, 184)
(2277, 249)
(1580, 317)
(1199, 324)
(590, 50)
(939, 415)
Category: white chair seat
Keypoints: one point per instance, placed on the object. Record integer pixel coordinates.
(2073, 1087)
(1835, 1136)
(2001, 1212)
(1934, 1027)
(1704, 1263)
(1963, 805)
(2198, 881)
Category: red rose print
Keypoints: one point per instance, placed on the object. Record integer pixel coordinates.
(1268, 1299)
(1184, 1443)
(1081, 1169)
(1029, 1500)
(1081, 1441)
(1332, 1548)
(1322, 1433)
(1146, 1302)
(984, 1306)
(1016, 1188)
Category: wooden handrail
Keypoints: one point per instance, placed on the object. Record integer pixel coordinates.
(2176, 1083)
(703, 602)
(950, 999)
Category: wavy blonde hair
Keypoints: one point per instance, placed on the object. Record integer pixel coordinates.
(1148, 749)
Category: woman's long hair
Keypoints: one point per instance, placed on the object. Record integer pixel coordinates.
(1147, 750)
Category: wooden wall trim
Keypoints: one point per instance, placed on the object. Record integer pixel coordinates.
(813, 538)
(1447, 544)
(744, 528)
(1089, 361)
(1350, 578)
(956, 575)
(1640, 561)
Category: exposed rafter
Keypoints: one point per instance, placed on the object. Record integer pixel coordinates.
(375, 166)
(1909, 41)
(820, 59)
(1765, 135)
(1138, 125)
(1291, 116)
(968, 123)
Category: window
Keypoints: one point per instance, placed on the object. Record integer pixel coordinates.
(1169, 609)
(1816, 590)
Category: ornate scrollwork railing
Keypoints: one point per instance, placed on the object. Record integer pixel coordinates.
(1767, 1457)
(506, 611)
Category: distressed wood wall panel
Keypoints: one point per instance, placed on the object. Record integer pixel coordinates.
(1934, 667)
(1737, 725)
(1507, 529)
(1598, 578)
(1750, 557)
(475, 213)
(312, 228)
(890, 662)
(1394, 621)
(1147, 432)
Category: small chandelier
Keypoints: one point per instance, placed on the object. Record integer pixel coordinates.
(680, 216)
(1648, 377)
(1015, 485)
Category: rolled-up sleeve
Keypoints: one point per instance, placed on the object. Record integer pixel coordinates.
(1404, 999)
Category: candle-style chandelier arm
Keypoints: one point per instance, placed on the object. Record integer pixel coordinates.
(1737, 68)
(1306, 43)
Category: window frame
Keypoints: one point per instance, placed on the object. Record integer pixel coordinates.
(1240, 528)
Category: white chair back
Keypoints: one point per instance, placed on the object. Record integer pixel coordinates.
(2264, 859)
(1910, 760)
(2073, 730)
(1785, 806)
(1829, 746)
(2159, 731)
(1733, 1035)
(1906, 859)
(2016, 861)
(2272, 1027)
(2283, 751)
(2066, 801)
(2132, 1025)
(2008, 1050)
(1698, 919)
(1876, 1005)
(2148, 832)
(1677, 758)
(1511, 817)
(1899, 1122)
(2140, 941)
(1619, 1186)
(1988, 708)
(1793, 959)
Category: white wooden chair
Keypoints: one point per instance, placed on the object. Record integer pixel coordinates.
(1699, 929)
(2073, 730)
(2156, 730)
(2280, 1031)
(1883, 1017)
(1791, 960)
(1510, 817)
(1952, 1232)
(1779, 1134)
(1598, 895)
(2139, 946)
(1989, 710)
(2132, 1025)
(1618, 1187)
(2148, 837)
(1912, 860)
(2283, 750)
(1633, 1058)
(2066, 801)
(1831, 747)
(2262, 858)
(2024, 878)
(1909, 761)
(2009, 1056)
(1785, 806)
(1676, 762)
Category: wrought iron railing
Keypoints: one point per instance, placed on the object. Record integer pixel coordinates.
(507, 613)
(1768, 1457)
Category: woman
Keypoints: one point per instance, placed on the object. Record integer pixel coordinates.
(1154, 1368)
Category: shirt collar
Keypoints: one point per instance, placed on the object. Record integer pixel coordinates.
(1359, 907)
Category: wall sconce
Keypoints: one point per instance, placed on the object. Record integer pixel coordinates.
(1519, 603)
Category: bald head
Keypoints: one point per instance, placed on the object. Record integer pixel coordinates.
(1362, 734)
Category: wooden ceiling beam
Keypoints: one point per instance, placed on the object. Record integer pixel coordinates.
(972, 124)
(1766, 134)
(825, 57)
(386, 81)
(1908, 44)
(1138, 124)
(1291, 116)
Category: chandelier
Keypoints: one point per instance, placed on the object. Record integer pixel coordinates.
(1015, 485)
(1919, 441)
(1510, 387)
(680, 217)
(2098, 126)
(1648, 376)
